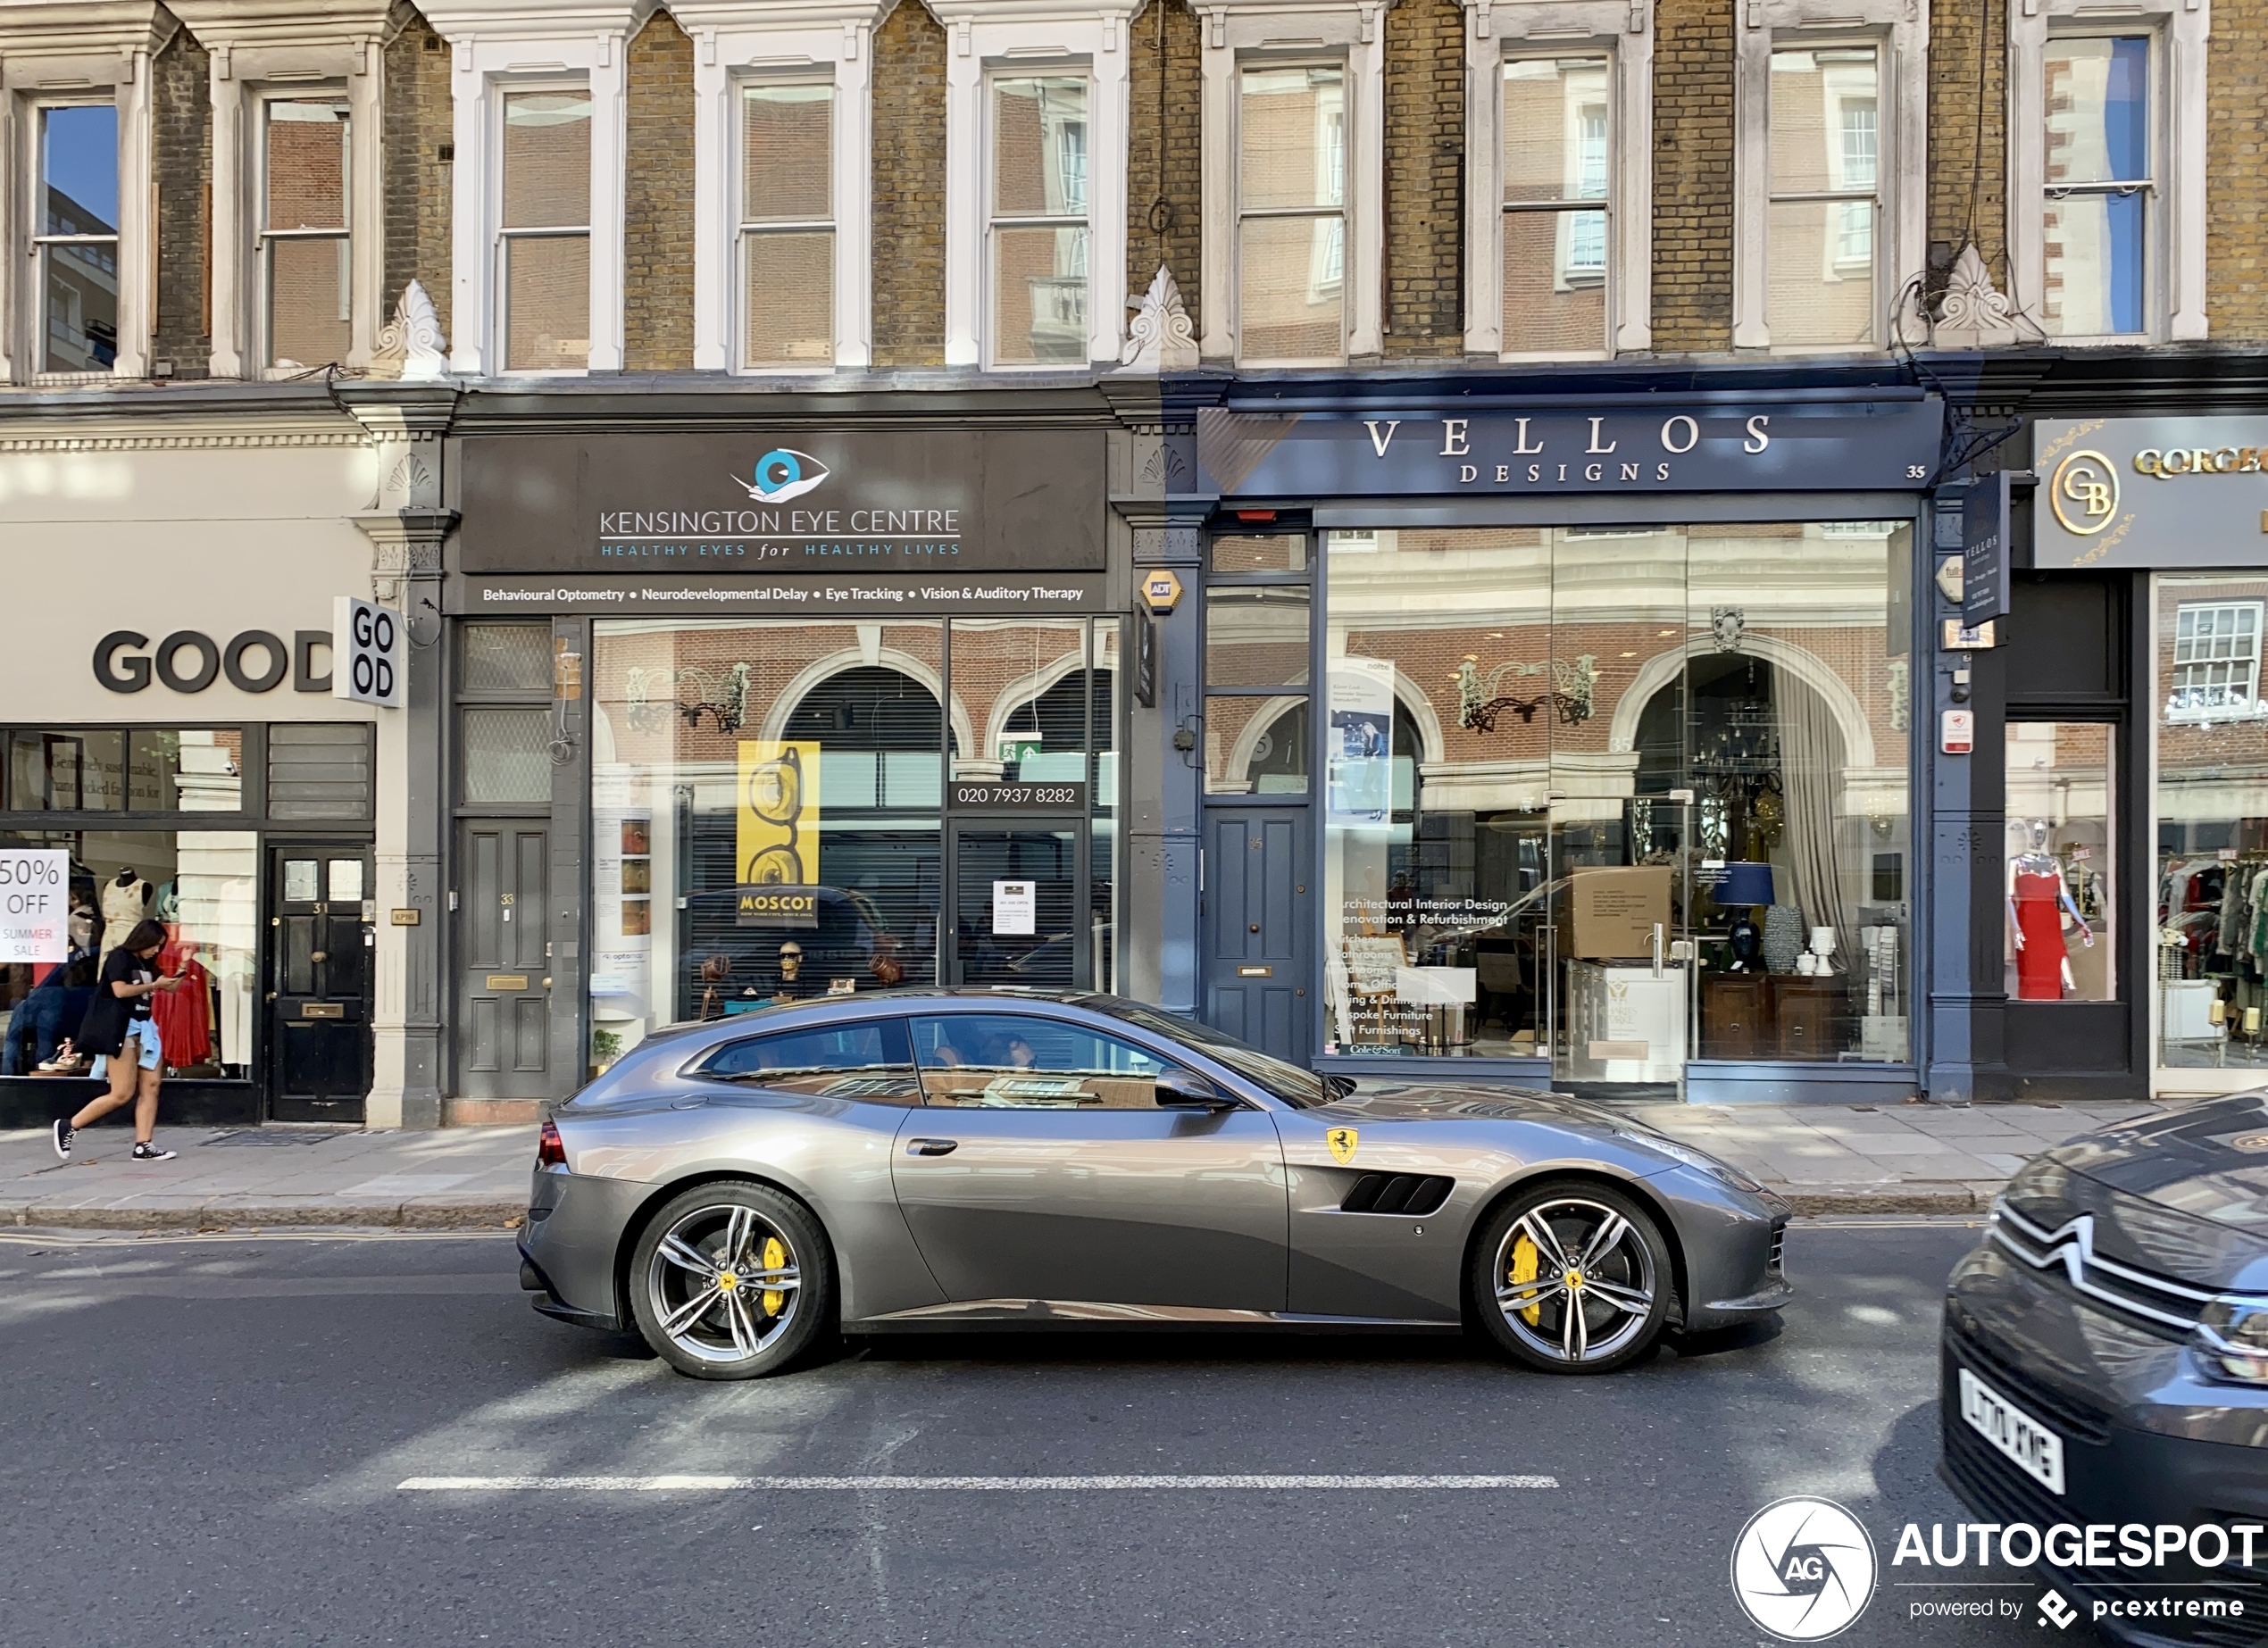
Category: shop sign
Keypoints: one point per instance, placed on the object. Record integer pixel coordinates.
(922, 501)
(35, 904)
(1984, 550)
(777, 906)
(835, 598)
(366, 652)
(189, 661)
(2150, 492)
(1824, 446)
(1016, 908)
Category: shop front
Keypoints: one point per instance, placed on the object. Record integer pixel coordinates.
(748, 719)
(2137, 758)
(168, 726)
(1596, 726)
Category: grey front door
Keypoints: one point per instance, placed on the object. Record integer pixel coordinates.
(503, 984)
(1041, 1168)
(1257, 918)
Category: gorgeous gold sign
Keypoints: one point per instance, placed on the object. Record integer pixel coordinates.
(2084, 492)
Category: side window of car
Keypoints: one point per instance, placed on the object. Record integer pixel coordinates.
(871, 1060)
(1014, 1061)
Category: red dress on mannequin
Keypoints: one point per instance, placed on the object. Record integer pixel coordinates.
(2039, 917)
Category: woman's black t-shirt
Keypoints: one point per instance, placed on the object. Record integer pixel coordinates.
(124, 966)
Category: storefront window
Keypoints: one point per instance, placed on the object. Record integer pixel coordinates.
(1625, 797)
(2062, 854)
(770, 816)
(117, 770)
(202, 887)
(2212, 813)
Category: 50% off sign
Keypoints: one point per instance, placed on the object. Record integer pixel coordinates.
(35, 904)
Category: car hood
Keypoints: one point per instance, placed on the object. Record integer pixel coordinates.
(2183, 1192)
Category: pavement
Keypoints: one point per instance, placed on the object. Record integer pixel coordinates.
(1914, 1158)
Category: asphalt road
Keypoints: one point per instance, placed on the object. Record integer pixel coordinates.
(207, 1440)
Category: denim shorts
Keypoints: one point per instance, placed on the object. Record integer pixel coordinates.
(150, 1056)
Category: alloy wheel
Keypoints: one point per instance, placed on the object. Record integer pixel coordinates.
(1575, 1280)
(724, 1282)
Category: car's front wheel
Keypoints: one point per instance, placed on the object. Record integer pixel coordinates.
(731, 1281)
(1572, 1278)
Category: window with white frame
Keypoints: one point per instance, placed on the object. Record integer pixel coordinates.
(1291, 213)
(2095, 218)
(74, 239)
(787, 224)
(1825, 142)
(1557, 161)
(2216, 660)
(544, 236)
(1038, 232)
(306, 249)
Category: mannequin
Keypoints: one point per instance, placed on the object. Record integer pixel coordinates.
(2038, 902)
(126, 899)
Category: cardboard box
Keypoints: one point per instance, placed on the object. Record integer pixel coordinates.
(1614, 911)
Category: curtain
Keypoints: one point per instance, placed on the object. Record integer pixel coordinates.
(1810, 772)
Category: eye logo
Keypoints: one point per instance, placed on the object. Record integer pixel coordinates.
(1803, 1569)
(783, 474)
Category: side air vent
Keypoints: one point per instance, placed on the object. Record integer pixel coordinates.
(1397, 1193)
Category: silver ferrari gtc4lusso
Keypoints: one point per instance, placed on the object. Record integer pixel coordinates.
(933, 1158)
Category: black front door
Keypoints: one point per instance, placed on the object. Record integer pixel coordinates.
(1019, 913)
(1257, 908)
(319, 995)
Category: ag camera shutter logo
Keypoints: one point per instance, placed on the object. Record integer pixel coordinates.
(1804, 1569)
(366, 652)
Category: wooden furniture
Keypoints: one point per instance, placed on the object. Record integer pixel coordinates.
(1811, 1014)
(1776, 1016)
(1736, 1016)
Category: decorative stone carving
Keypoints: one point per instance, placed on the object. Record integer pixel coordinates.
(1974, 315)
(1161, 338)
(410, 347)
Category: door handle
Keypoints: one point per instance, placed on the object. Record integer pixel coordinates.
(931, 1147)
(1256, 927)
(1658, 949)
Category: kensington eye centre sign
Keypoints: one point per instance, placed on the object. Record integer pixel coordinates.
(1890, 444)
(926, 501)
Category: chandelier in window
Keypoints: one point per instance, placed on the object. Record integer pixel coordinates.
(1480, 700)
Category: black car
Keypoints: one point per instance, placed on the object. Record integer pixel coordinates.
(2106, 1365)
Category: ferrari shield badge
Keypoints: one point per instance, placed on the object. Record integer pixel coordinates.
(1341, 1141)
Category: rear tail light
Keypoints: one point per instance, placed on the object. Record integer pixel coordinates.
(551, 1149)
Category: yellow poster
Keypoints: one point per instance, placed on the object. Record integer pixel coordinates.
(778, 837)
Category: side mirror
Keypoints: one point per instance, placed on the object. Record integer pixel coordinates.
(1184, 1090)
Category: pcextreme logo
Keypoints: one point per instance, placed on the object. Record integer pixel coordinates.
(784, 473)
(1804, 1569)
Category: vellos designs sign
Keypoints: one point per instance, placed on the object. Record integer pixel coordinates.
(926, 501)
(2150, 492)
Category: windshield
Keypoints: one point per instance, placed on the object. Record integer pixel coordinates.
(1288, 1082)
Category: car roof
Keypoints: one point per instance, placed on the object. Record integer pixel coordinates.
(952, 997)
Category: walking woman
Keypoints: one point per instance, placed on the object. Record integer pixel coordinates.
(120, 1029)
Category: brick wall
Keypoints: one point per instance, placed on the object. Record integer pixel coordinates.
(1969, 138)
(909, 190)
(1165, 190)
(1693, 125)
(419, 126)
(2236, 259)
(180, 87)
(1424, 180)
(657, 240)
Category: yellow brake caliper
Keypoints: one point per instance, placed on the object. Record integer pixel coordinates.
(1524, 1269)
(775, 1255)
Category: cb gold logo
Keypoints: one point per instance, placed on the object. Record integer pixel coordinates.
(2084, 492)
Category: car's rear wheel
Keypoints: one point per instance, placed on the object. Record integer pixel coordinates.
(1572, 1278)
(731, 1281)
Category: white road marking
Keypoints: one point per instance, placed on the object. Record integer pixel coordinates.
(954, 1485)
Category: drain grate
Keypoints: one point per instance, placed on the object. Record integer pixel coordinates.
(277, 1135)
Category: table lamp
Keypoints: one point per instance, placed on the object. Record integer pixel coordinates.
(1744, 888)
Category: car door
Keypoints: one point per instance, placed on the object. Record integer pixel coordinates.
(1042, 1168)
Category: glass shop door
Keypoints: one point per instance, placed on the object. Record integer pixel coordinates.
(1018, 914)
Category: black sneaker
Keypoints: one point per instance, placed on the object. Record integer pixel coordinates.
(151, 1153)
(64, 1134)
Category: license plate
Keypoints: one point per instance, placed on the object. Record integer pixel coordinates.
(2038, 1451)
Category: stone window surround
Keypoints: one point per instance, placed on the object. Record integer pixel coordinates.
(1901, 31)
(54, 55)
(2175, 307)
(737, 42)
(257, 56)
(1234, 32)
(1036, 37)
(578, 43)
(1501, 30)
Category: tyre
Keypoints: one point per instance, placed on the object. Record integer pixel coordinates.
(731, 1281)
(1572, 1278)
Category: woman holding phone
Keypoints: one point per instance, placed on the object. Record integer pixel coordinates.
(120, 1029)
